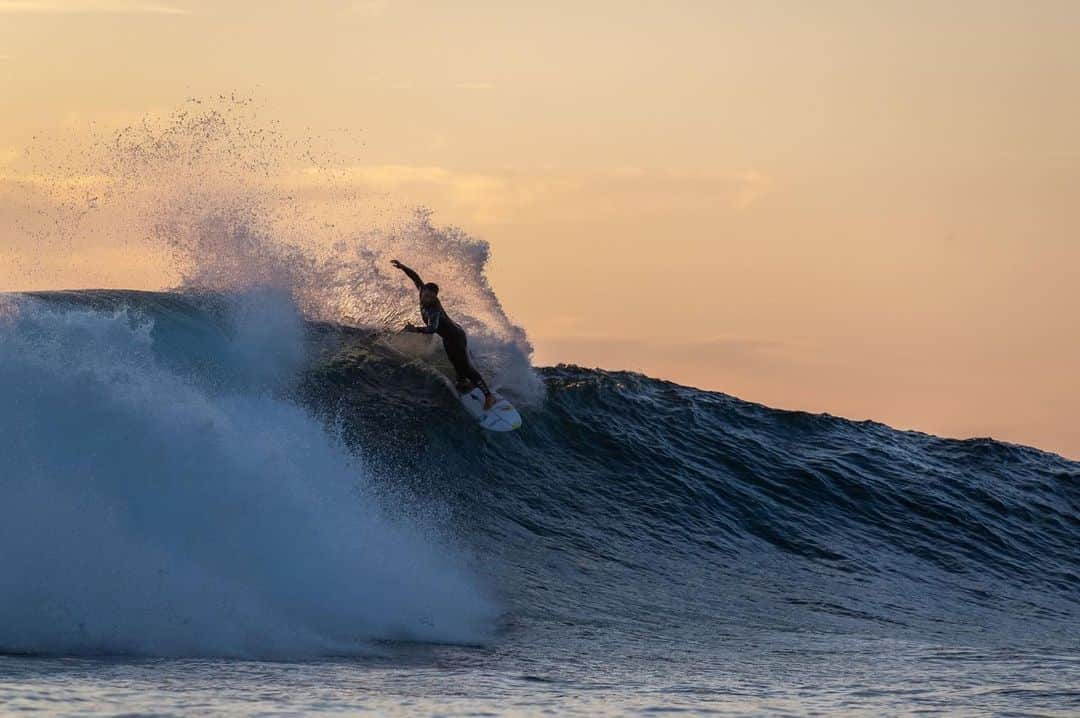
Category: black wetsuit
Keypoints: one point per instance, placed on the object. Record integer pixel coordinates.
(454, 339)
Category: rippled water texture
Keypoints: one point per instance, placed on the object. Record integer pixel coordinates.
(213, 505)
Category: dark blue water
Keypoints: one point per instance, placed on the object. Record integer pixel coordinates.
(636, 546)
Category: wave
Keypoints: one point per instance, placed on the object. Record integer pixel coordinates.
(162, 495)
(207, 474)
(251, 466)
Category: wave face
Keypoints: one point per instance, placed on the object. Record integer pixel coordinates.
(208, 474)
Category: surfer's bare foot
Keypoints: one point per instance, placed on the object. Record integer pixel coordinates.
(489, 401)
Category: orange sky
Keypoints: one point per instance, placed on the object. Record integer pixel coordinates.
(871, 209)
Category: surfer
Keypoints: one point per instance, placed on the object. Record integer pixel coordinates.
(455, 342)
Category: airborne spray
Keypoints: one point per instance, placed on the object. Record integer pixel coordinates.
(224, 201)
(161, 491)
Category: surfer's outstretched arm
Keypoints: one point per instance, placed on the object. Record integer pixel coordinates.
(410, 273)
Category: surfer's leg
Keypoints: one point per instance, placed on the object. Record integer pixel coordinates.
(457, 351)
(477, 380)
(459, 359)
(474, 376)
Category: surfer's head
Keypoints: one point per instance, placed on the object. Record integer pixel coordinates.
(429, 294)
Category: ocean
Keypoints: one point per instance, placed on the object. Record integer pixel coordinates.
(212, 505)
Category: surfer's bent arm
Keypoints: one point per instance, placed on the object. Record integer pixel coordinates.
(410, 273)
(431, 324)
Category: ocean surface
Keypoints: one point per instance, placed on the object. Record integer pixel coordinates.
(212, 504)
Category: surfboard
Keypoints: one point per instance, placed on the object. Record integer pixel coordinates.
(419, 347)
(502, 416)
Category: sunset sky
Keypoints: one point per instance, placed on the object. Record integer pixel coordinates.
(865, 208)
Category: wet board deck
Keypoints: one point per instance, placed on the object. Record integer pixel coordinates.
(500, 417)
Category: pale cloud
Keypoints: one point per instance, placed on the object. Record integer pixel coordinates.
(753, 185)
(394, 176)
(72, 7)
(368, 8)
(495, 197)
(87, 181)
(107, 118)
(486, 197)
(742, 189)
(475, 86)
(8, 154)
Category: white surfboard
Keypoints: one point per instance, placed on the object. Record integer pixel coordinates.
(502, 416)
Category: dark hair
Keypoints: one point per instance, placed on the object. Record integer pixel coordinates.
(432, 287)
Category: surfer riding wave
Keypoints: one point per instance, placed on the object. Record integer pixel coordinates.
(455, 341)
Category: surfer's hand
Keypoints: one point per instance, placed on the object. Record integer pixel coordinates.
(397, 264)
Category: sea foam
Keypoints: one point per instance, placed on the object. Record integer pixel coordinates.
(149, 509)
